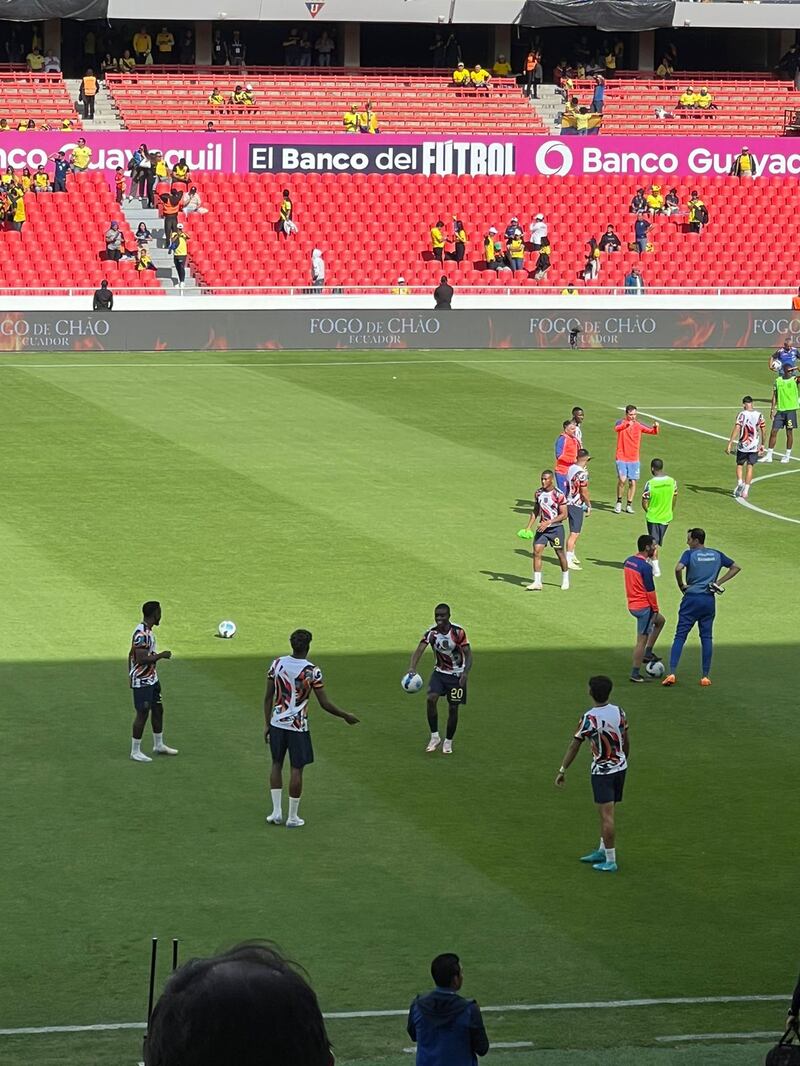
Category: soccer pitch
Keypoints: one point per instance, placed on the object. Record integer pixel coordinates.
(349, 493)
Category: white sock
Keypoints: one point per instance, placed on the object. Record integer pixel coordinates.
(788, 452)
(435, 736)
(740, 482)
(277, 802)
(768, 456)
(136, 746)
(570, 556)
(602, 846)
(537, 579)
(158, 740)
(565, 580)
(611, 854)
(293, 805)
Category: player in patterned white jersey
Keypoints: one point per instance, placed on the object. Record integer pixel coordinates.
(290, 681)
(578, 417)
(143, 675)
(578, 504)
(453, 655)
(549, 513)
(748, 435)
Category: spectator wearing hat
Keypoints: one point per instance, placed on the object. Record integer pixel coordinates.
(538, 232)
(610, 242)
(634, 282)
(542, 264)
(744, 165)
(103, 298)
(460, 76)
(687, 100)
(179, 246)
(599, 94)
(705, 100)
(655, 200)
(443, 295)
(193, 203)
(513, 229)
(490, 249)
(401, 289)
(672, 203)
(114, 241)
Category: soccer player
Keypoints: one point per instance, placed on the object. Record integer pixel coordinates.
(453, 656)
(629, 432)
(566, 448)
(640, 590)
(658, 501)
(606, 728)
(142, 659)
(290, 681)
(783, 411)
(578, 417)
(549, 512)
(578, 504)
(702, 584)
(748, 432)
(786, 355)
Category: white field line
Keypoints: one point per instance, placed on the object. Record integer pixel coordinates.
(513, 1045)
(696, 1037)
(508, 1008)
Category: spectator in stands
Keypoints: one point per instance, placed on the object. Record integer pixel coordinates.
(796, 301)
(350, 119)
(542, 264)
(103, 298)
(127, 63)
(368, 119)
(305, 49)
(210, 127)
(291, 48)
(538, 232)
(27, 125)
(143, 46)
(324, 46)
(35, 61)
(165, 43)
(634, 282)
(237, 97)
(591, 268)
(114, 241)
(582, 122)
(179, 246)
(108, 64)
(219, 50)
(438, 241)
(744, 165)
(436, 51)
(665, 68)
(52, 64)
(479, 78)
(17, 201)
(443, 295)
(181, 176)
(529, 70)
(25, 180)
(447, 1029)
(461, 76)
(81, 156)
(489, 249)
(501, 68)
(513, 229)
(88, 93)
(698, 213)
(705, 101)
(41, 181)
(62, 168)
(459, 240)
(142, 175)
(610, 242)
(246, 1007)
(401, 289)
(4, 127)
(143, 234)
(8, 178)
(67, 125)
(186, 51)
(237, 50)
(599, 94)
(655, 200)
(641, 228)
(162, 175)
(538, 74)
(610, 59)
(515, 253)
(687, 101)
(287, 225)
(216, 100)
(638, 203)
(452, 51)
(143, 259)
(192, 203)
(317, 269)
(170, 208)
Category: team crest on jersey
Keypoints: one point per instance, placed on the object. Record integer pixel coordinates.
(315, 8)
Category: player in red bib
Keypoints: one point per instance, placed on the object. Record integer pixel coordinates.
(549, 513)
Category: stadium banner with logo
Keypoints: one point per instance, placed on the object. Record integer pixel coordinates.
(263, 153)
(394, 329)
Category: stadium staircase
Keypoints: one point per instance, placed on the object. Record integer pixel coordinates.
(135, 213)
(548, 104)
(105, 115)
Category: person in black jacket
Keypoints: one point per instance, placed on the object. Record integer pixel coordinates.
(443, 295)
(794, 1008)
(447, 1028)
(103, 298)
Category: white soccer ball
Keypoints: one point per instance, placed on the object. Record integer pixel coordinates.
(776, 364)
(655, 669)
(412, 683)
(227, 630)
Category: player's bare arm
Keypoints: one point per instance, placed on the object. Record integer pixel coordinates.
(331, 708)
(269, 703)
(731, 572)
(733, 437)
(534, 517)
(645, 500)
(561, 517)
(467, 662)
(679, 568)
(142, 656)
(417, 654)
(567, 761)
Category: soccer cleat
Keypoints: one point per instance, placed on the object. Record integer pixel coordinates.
(670, 679)
(629, 509)
(274, 819)
(767, 458)
(738, 491)
(705, 682)
(745, 492)
(533, 587)
(447, 747)
(573, 564)
(139, 756)
(651, 657)
(637, 679)
(164, 750)
(593, 857)
(605, 867)
(617, 507)
(294, 823)
(786, 459)
(433, 743)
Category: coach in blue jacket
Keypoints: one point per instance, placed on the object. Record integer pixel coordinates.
(447, 1029)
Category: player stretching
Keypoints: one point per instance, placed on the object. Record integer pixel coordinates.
(640, 590)
(783, 411)
(703, 583)
(658, 501)
(449, 678)
(566, 449)
(578, 504)
(290, 681)
(748, 432)
(606, 728)
(549, 512)
(142, 671)
(629, 432)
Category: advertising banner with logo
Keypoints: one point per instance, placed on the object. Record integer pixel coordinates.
(366, 331)
(264, 153)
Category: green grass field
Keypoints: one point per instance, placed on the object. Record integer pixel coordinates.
(349, 494)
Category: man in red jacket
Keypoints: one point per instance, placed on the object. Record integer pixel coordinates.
(629, 435)
(567, 445)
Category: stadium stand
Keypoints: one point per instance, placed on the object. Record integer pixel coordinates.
(61, 243)
(41, 97)
(237, 243)
(314, 102)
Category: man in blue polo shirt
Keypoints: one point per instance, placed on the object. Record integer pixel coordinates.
(702, 583)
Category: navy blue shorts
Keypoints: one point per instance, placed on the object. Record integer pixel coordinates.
(785, 420)
(658, 530)
(644, 620)
(147, 697)
(451, 686)
(575, 516)
(608, 788)
(296, 743)
(552, 535)
(746, 458)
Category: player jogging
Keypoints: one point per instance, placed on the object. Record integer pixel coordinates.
(748, 433)
(453, 657)
(578, 504)
(142, 659)
(549, 513)
(702, 584)
(566, 449)
(629, 432)
(783, 412)
(290, 681)
(786, 355)
(658, 501)
(640, 591)
(606, 728)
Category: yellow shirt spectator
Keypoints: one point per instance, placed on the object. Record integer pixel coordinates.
(501, 68)
(488, 248)
(610, 60)
(516, 249)
(582, 120)
(7, 178)
(437, 237)
(461, 75)
(81, 156)
(142, 43)
(655, 201)
(665, 69)
(479, 76)
(19, 210)
(160, 170)
(704, 99)
(127, 64)
(41, 180)
(216, 98)
(144, 261)
(688, 99)
(350, 120)
(67, 124)
(569, 291)
(165, 42)
(35, 62)
(401, 289)
(180, 241)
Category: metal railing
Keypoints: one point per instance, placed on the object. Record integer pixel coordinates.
(401, 291)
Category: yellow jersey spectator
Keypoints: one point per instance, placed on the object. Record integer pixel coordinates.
(610, 61)
(4, 127)
(41, 182)
(459, 240)
(142, 45)
(19, 211)
(501, 68)
(688, 99)
(665, 68)
(705, 101)
(81, 155)
(401, 289)
(654, 199)
(570, 290)
(238, 96)
(461, 75)
(582, 120)
(165, 42)
(368, 119)
(215, 98)
(744, 165)
(350, 119)
(437, 241)
(35, 61)
(515, 254)
(127, 63)
(479, 77)
(67, 124)
(7, 178)
(247, 93)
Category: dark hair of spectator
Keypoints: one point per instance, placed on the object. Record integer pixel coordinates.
(445, 969)
(698, 534)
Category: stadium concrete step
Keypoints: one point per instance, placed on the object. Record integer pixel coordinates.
(135, 213)
(105, 115)
(550, 103)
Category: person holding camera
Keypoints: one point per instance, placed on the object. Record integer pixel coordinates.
(697, 573)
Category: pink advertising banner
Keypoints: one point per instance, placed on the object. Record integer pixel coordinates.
(396, 154)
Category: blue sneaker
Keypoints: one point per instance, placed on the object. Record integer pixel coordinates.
(605, 867)
(596, 856)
